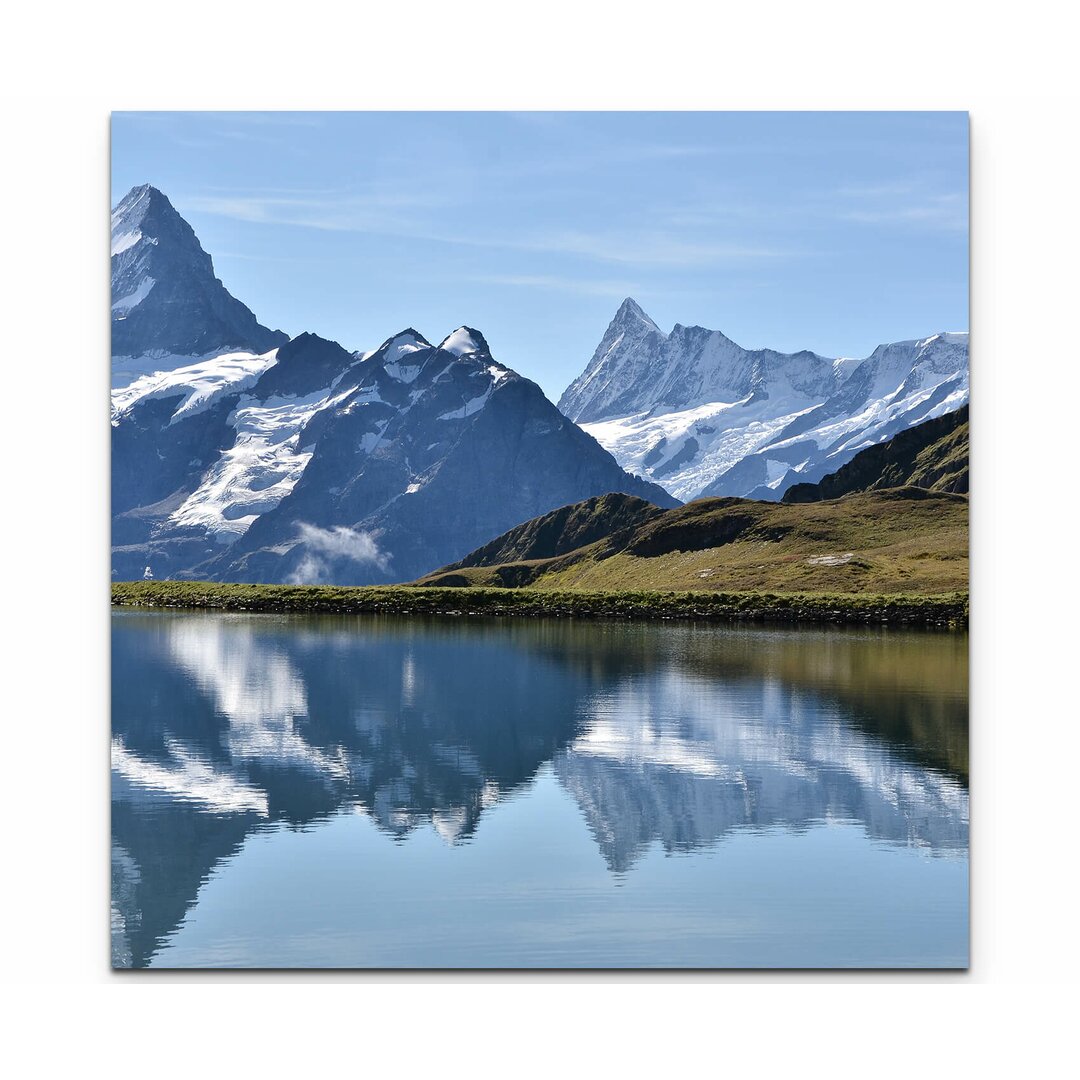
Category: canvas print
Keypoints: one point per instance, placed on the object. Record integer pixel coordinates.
(539, 540)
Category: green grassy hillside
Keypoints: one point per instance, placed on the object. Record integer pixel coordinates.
(905, 540)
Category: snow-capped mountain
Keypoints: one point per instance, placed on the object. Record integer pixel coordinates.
(168, 308)
(239, 454)
(700, 415)
(309, 463)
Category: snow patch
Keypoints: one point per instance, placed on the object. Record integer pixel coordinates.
(405, 373)
(202, 384)
(470, 408)
(395, 353)
(725, 432)
(262, 466)
(460, 343)
(126, 369)
(126, 303)
(371, 439)
(122, 241)
(775, 471)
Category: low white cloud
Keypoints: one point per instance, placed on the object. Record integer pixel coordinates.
(324, 547)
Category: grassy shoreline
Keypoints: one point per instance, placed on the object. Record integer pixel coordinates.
(945, 611)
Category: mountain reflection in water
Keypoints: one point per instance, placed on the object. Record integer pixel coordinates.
(225, 726)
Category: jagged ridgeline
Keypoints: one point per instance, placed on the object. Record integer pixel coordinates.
(167, 304)
(239, 455)
(242, 455)
(700, 415)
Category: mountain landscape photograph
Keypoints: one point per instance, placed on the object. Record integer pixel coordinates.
(539, 540)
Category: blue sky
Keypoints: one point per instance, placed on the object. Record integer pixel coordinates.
(827, 231)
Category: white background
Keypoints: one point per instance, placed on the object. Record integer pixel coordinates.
(66, 66)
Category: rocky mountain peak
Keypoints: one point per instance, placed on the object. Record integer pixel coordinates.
(168, 307)
(465, 341)
(705, 416)
(630, 311)
(145, 218)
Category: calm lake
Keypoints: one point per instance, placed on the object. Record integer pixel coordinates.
(370, 791)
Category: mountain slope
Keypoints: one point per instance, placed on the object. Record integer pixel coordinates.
(610, 385)
(637, 367)
(423, 453)
(903, 540)
(241, 454)
(700, 415)
(309, 463)
(563, 530)
(168, 308)
(931, 455)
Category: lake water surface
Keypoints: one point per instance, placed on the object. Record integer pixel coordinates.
(372, 791)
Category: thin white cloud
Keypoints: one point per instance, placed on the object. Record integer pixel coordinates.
(946, 212)
(902, 202)
(874, 191)
(370, 212)
(651, 248)
(382, 214)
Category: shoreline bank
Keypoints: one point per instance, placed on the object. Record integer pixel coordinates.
(949, 611)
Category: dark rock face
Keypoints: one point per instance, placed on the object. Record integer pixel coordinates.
(694, 532)
(420, 463)
(155, 467)
(563, 530)
(304, 365)
(932, 455)
(165, 297)
(401, 462)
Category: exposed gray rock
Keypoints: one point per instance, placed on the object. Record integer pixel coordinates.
(701, 415)
(166, 300)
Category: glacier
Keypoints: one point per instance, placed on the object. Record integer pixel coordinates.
(699, 415)
(238, 467)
